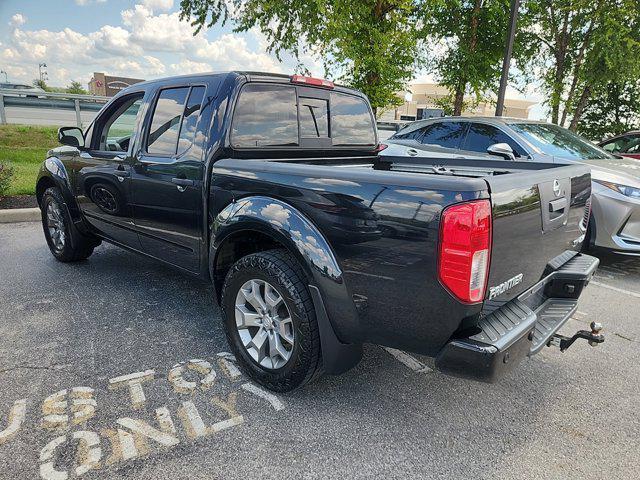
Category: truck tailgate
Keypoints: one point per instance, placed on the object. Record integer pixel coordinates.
(537, 215)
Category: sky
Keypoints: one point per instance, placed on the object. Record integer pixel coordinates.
(134, 38)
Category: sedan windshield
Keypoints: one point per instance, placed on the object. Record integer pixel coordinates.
(559, 142)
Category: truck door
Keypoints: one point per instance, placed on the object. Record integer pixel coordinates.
(167, 177)
(103, 171)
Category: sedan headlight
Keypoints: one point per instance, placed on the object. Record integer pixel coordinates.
(626, 190)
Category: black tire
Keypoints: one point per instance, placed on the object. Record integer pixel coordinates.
(282, 271)
(75, 245)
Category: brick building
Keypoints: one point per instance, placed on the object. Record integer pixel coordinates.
(108, 86)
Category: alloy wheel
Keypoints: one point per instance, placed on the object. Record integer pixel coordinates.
(55, 224)
(264, 324)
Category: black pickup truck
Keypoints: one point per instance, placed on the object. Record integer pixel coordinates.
(271, 187)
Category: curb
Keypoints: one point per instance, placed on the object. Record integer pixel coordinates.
(15, 215)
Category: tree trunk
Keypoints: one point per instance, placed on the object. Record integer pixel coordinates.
(560, 57)
(575, 74)
(582, 103)
(458, 102)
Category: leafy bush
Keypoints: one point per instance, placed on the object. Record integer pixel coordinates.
(6, 173)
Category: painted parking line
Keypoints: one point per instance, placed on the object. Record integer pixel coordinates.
(615, 289)
(409, 361)
(79, 419)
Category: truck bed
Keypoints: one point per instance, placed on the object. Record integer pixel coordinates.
(381, 219)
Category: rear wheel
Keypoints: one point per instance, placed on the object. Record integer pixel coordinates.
(270, 321)
(66, 243)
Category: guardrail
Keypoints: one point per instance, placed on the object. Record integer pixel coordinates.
(89, 103)
(58, 101)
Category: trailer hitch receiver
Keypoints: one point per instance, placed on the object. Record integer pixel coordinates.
(594, 337)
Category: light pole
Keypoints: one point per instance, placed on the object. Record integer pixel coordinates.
(506, 61)
(42, 72)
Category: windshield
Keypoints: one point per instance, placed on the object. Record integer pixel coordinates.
(559, 142)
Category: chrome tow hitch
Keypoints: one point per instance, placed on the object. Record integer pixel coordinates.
(594, 337)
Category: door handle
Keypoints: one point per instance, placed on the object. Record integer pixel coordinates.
(183, 182)
(412, 152)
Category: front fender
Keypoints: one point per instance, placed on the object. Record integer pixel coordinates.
(289, 227)
(53, 173)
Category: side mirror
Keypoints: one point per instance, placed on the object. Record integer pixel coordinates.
(71, 136)
(503, 150)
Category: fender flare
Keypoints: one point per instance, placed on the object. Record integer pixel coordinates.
(335, 310)
(54, 171)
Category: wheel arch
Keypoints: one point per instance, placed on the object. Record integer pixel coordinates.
(259, 223)
(53, 173)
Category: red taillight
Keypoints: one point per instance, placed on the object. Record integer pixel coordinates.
(381, 147)
(318, 82)
(465, 249)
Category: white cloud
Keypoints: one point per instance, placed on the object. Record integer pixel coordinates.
(17, 20)
(233, 52)
(189, 66)
(115, 40)
(84, 3)
(144, 44)
(158, 5)
(164, 32)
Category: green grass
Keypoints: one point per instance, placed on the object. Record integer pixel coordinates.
(24, 148)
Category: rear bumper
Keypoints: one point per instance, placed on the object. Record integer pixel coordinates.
(522, 326)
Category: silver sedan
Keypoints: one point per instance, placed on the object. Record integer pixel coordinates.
(615, 205)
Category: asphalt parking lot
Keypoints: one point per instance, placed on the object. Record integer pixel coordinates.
(115, 368)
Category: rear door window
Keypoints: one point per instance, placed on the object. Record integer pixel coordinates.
(165, 123)
(481, 136)
(351, 121)
(174, 120)
(190, 119)
(443, 134)
(265, 115)
(410, 133)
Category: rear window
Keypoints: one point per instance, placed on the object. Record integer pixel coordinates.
(314, 117)
(351, 122)
(266, 115)
(274, 115)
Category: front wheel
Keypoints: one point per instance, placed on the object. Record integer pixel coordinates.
(270, 321)
(66, 243)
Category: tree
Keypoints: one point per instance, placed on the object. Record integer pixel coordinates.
(612, 110)
(584, 44)
(41, 84)
(371, 45)
(76, 87)
(471, 36)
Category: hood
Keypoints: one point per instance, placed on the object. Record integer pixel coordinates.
(623, 171)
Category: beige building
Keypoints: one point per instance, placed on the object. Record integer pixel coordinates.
(423, 105)
(108, 86)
